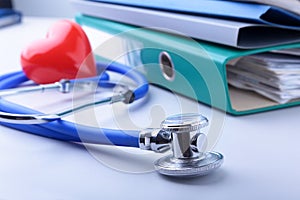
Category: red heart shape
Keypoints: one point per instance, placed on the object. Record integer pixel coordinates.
(65, 53)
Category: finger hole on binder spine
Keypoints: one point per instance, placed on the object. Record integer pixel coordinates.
(166, 66)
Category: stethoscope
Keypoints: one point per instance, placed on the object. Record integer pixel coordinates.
(180, 133)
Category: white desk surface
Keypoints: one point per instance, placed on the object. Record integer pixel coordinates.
(262, 153)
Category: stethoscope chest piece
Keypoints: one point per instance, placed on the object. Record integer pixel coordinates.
(204, 165)
(188, 144)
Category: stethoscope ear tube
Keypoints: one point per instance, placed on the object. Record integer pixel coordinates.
(140, 80)
(64, 130)
(12, 80)
(68, 131)
(125, 95)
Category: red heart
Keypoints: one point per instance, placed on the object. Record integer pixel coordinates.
(65, 53)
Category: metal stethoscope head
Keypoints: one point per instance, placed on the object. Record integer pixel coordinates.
(181, 133)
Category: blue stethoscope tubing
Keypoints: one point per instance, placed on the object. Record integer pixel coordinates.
(69, 131)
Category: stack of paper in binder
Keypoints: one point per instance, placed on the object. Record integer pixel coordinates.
(244, 56)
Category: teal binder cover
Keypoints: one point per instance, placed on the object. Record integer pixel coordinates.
(199, 67)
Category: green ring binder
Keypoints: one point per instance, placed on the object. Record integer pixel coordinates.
(201, 64)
